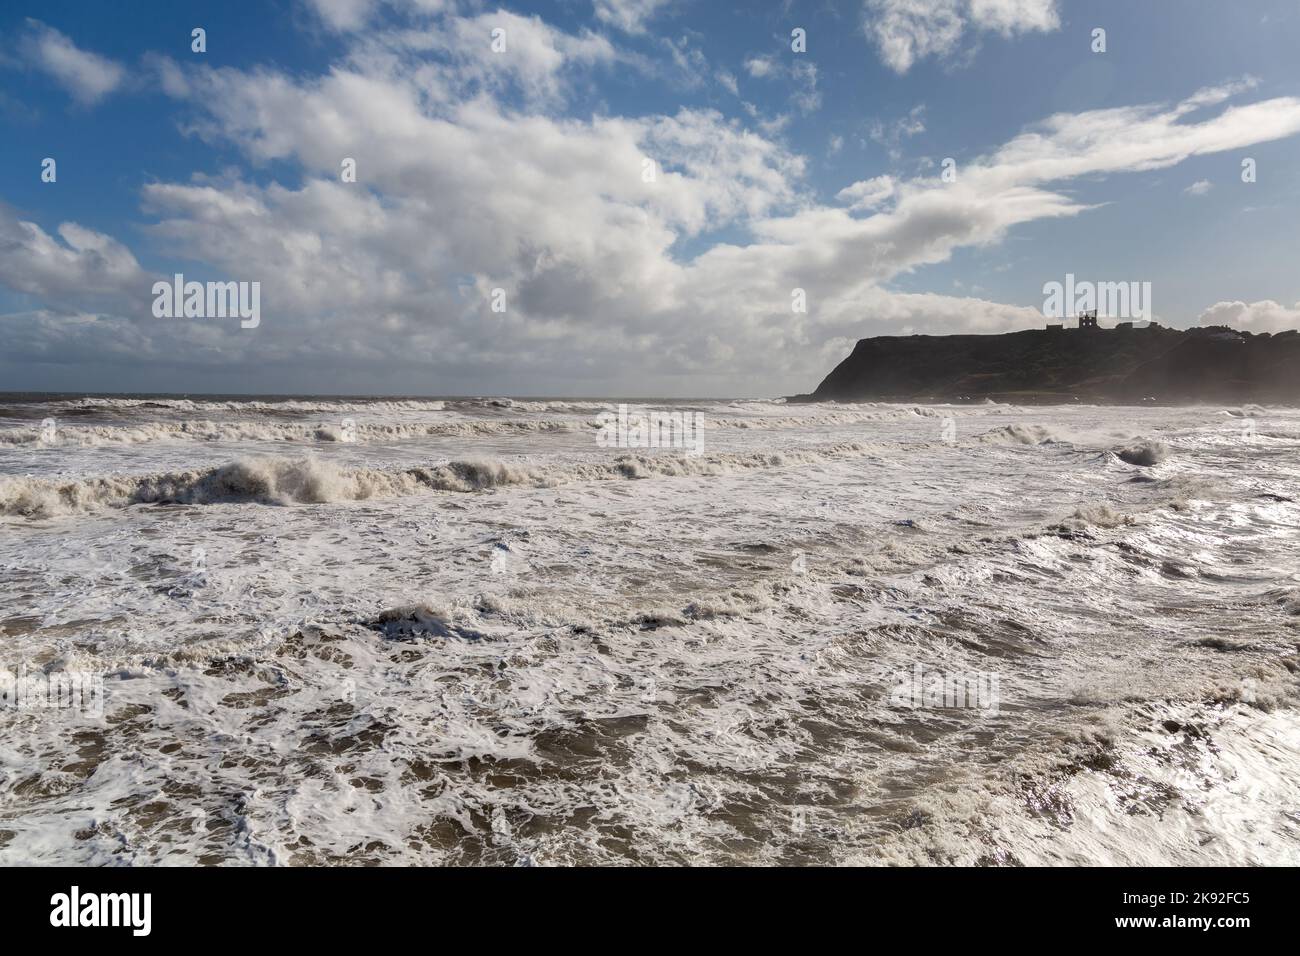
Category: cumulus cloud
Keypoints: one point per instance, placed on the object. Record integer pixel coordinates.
(1263, 316)
(457, 60)
(558, 213)
(470, 180)
(905, 31)
(1009, 17)
(85, 266)
(1199, 188)
(87, 76)
(868, 193)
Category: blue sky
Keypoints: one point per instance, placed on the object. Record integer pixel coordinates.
(523, 170)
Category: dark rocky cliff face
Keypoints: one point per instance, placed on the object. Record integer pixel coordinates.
(1119, 365)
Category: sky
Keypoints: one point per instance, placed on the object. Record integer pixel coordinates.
(649, 198)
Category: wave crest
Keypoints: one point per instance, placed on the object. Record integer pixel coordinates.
(309, 480)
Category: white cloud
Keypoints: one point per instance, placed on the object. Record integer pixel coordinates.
(806, 95)
(1139, 138)
(868, 193)
(802, 75)
(905, 31)
(457, 197)
(1263, 316)
(87, 266)
(344, 16)
(351, 16)
(630, 16)
(1009, 17)
(87, 76)
(1199, 188)
(613, 282)
(456, 59)
(891, 135)
(690, 67)
(1214, 95)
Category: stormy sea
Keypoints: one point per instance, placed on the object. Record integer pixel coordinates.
(491, 631)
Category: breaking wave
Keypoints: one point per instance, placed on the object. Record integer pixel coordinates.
(1018, 435)
(363, 432)
(309, 480)
(209, 431)
(1145, 453)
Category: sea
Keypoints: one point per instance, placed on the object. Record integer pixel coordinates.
(489, 631)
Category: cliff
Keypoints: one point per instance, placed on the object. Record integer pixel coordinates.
(1215, 364)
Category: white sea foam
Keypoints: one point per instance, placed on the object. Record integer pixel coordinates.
(505, 645)
(385, 422)
(262, 431)
(312, 480)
